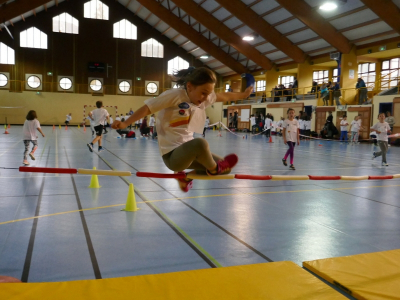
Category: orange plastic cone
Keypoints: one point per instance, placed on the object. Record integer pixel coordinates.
(6, 131)
(270, 139)
(9, 126)
(54, 127)
(84, 128)
(66, 127)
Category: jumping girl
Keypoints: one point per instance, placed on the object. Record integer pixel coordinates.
(290, 135)
(181, 113)
(30, 135)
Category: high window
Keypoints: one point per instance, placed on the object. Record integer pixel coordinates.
(65, 23)
(367, 73)
(260, 86)
(286, 80)
(125, 30)
(95, 9)
(152, 48)
(390, 72)
(177, 64)
(65, 83)
(33, 38)
(95, 85)
(3, 80)
(7, 55)
(34, 82)
(321, 76)
(335, 75)
(227, 86)
(124, 86)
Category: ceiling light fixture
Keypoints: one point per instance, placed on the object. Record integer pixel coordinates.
(204, 56)
(329, 5)
(248, 38)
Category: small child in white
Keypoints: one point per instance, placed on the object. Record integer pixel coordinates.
(343, 128)
(29, 131)
(99, 116)
(68, 119)
(291, 136)
(355, 129)
(382, 129)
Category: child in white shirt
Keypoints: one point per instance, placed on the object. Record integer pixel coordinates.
(68, 119)
(181, 113)
(382, 129)
(29, 131)
(343, 129)
(355, 129)
(291, 136)
(99, 117)
(267, 126)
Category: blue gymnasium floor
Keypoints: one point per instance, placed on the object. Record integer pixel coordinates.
(218, 223)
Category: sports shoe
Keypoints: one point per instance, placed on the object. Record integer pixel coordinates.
(373, 155)
(25, 162)
(284, 162)
(292, 167)
(101, 149)
(184, 184)
(90, 146)
(385, 164)
(225, 166)
(32, 156)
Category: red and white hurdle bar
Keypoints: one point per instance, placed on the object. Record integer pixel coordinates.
(202, 177)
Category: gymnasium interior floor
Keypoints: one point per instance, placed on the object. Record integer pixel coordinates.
(81, 233)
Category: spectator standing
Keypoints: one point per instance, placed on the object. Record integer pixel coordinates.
(362, 91)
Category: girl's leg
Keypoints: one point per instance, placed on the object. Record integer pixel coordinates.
(26, 143)
(289, 151)
(204, 131)
(292, 145)
(194, 154)
(384, 147)
(356, 137)
(35, 146)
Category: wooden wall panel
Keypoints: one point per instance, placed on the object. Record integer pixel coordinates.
(69, 54)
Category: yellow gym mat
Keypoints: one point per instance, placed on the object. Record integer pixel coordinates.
(365, 276)
(278, 280)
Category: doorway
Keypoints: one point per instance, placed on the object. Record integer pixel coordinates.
(384, 107)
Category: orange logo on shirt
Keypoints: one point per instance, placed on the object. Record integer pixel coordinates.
(179, 122)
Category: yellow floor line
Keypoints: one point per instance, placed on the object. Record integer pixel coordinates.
(196, 197)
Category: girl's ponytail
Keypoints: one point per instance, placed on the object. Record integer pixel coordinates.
(195, 76)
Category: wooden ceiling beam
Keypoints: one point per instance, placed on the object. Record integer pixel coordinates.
(201, 41)
(386, 10)
(17, 8)
(263, 28)
(370, 37)
(223, 32)
(317, 23)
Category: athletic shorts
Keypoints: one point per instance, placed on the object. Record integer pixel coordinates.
(99, 130)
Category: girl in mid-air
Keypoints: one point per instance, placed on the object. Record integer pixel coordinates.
(181, 113)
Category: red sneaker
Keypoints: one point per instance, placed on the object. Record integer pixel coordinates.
(225, 166)
(184, 184)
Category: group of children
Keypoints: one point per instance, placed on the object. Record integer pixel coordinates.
(181, 113)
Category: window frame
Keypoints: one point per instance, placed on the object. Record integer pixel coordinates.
(154, 43)
(171, 67)
(88, 10)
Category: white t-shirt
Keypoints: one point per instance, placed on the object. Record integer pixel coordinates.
(301, 124)
(355, 126)
(100, 116)
(383, 128)
(268, 123)
(280, 123)
(152, 122)
(292, 128)
(117, 119)
(343, 125)
(178, 118)
(307, 125)
(68, 118)
(30, 130)
(207, 123)
(90, 120)
(252, 121)
(111, 120)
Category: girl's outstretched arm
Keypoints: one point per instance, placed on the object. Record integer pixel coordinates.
(224, 97)
(40, 130)
(137, 115)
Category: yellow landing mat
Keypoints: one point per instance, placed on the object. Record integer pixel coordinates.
(278, 280)
(365, 276)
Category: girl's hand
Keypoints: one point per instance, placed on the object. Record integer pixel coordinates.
(298, 143)
(118, 125)
(284, 141)
(42, 134)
